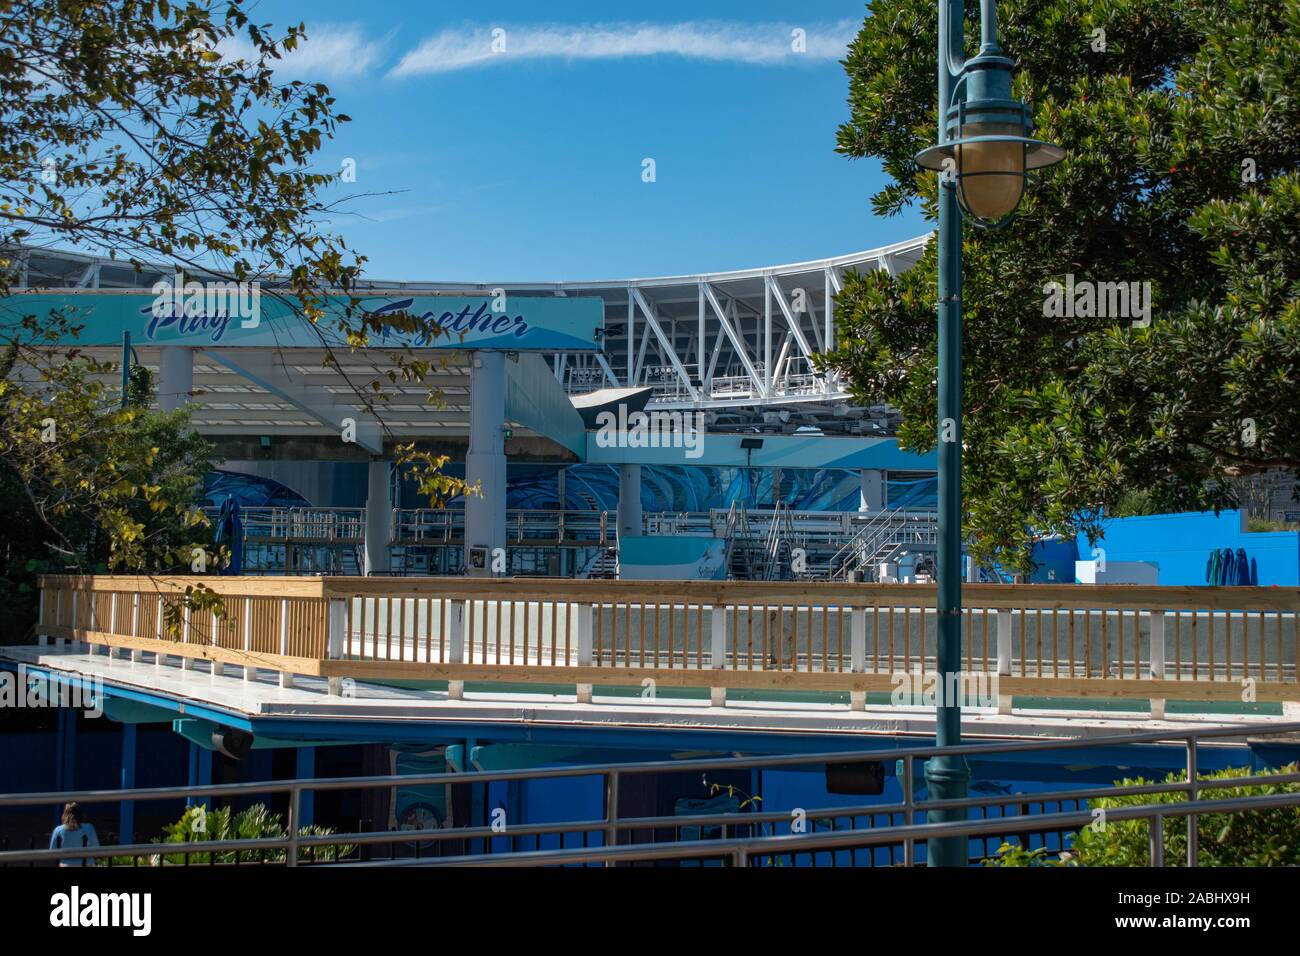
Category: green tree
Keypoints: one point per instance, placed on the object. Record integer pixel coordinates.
(90, 484)
(1180, 124)
(152, 132)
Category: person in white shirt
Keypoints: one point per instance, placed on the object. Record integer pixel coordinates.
(74, 832)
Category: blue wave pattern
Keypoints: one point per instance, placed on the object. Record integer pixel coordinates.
(679, 488)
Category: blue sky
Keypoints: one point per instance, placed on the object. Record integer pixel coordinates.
(527, 164)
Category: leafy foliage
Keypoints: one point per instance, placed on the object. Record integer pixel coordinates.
(155, 133)
(1182, 170)
(1260, 838)
(91, 484)
(200, 825)
(1269, 837)
(1014, 855)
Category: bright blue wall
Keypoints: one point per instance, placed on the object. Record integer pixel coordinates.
(1181, 544)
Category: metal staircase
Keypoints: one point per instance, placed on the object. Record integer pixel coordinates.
(350, 561)
(880, 540)
(737, 520)
(604, 566)
(780, 534)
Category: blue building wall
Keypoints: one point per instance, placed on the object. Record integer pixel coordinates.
(1181, 544)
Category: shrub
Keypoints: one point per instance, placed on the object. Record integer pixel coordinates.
(1269, 837)
(198, 825)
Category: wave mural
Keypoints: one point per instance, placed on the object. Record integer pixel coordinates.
(680, 488)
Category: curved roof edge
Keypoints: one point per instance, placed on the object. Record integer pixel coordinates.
(913, 245)
(907, 251)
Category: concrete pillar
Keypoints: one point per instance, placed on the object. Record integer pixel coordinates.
(875, 492)
(485, 464)
(718, 651)
(629, 501)
(586, 624)
(1157, 672)
(379, 516)
(1004, 657)
(175, 384)
(857, 653)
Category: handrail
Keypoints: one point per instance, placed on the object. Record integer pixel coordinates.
(1071, 641)
(737, 848)
(1010, 596)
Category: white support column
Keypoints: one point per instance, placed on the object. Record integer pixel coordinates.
(456, 646)
(874, 489)
(286, 679)
(379, 516)
(829, 310)
(485, 464)
(159, 658)
(187, 663)
(585, 625)
(112, 624)
(337, 641)
(250, 672)
(858, 654)
(699, 342)
(1004, 656)
(718, 651)
(175, 377)
(137, 655)
(629, 502)
(1158, 660)
(218, 668)
(631, 321)
(767, 338)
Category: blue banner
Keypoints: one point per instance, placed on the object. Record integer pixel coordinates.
(216, 315)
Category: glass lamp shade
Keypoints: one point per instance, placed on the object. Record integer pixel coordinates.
(991, 175)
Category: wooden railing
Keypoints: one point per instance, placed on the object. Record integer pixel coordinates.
(1064, 641)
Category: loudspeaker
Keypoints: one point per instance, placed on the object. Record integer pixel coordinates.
(865, 778)
(232, 743)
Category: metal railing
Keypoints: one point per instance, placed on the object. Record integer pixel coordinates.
(313, 525)
(329, 540)
(430, 526)
(617, 832)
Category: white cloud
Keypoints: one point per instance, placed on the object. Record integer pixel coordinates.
(331, 52)
(770, 44)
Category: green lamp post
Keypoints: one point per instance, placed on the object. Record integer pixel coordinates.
(984, 154)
